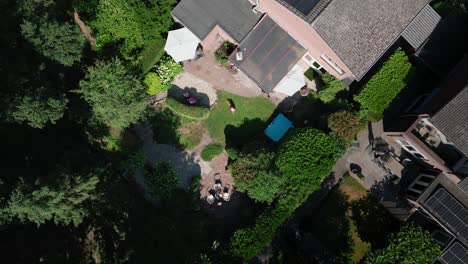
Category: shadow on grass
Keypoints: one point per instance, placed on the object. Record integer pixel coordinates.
(165, 124)
(329, 223)
(250, 130)
(374, 223)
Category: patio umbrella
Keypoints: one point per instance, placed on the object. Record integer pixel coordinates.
(292, 82)
(181, 44)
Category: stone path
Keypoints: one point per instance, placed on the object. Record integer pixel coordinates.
(202, 90)
(206, 68)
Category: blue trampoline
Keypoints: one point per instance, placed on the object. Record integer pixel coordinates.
(278, 128)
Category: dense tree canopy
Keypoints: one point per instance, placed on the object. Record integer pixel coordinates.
(61, 200)
(256, 175)
(132, 23)
(307, 152)
(116, 96)
(162, 180)
(412, 245)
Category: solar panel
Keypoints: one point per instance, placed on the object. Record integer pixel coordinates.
(450, 211)
(456, 254)
(463, 185)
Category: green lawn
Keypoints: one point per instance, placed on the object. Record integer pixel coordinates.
(247, 122)
(333, 225)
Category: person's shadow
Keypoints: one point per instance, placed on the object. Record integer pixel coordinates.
(231, 102)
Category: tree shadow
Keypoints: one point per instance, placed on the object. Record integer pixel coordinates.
(164, 124)
(329, 223)
(178, 93)
(373, 222)
(250, 130)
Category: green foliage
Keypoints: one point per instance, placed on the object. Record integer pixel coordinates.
(211, 151)
(132, 23)
(151, 54)
(446, 7)
(38, 110)
(135, 160)
(310, 74)
(59, 41)
(411, 245)
(167, 70)
(153, 84)
(221, 58)
(256, 175)
(386, 84)
(308, 153)
(330, 88)
(115, 95)
(62, 200)
(345, 124)
(189, 111)
(232, 153)
(162, 180)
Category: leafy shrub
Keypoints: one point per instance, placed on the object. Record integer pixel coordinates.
(411, 245)
(221, 58)
(135, 160)
(167, 71)
(162, 180)
(331, 86)
(345, 124)
(190, 112)
(370, 116)
(211, 151)
(256, 175)
(153, 84)
(152, 54)
(386, 84)
(308, 153)
(310, 74)
(232, 153)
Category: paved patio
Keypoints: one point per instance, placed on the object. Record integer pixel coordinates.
(206, 69)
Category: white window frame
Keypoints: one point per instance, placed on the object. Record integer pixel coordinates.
(335, 66)
(412, 152)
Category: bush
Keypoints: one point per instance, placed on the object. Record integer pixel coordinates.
(232, 153)
(190, 112)
(386, 84)
(135, 161)
(345, 124)
(162, 180)
(211, 151)
(221, 58)
(256, 175)
(411, 245)
(331, 86)
(153, 84)
(151, 54)
(310, 74)
(308, 153)
(167, 70)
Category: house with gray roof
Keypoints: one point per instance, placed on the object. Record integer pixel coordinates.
(343, 37)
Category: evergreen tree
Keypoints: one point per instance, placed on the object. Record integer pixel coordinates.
(116, 96)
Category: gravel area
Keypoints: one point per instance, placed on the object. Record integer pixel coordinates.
(203, 91)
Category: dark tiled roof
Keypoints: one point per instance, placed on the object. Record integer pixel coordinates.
(360, 31)
(421, 27)
(452, 119)
(233, 16)
(268, 54)
(308, 10)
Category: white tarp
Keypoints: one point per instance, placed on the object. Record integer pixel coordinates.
(292, 82)
(181, 44)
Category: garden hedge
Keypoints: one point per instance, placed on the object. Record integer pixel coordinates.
(331, 86)
(187, 111)
(151, 54)
(386, 84)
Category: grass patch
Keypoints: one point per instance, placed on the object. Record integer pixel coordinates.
(211, 151)
(339, 233)
(247, 122)
(190, 135)
(187, 111)
(151, 54)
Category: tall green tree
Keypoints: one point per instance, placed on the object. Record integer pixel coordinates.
(50, 29)
(132, 23)
(162, 180)
(412, 245)
(257, 175)
(116, 96)
(61, 200)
